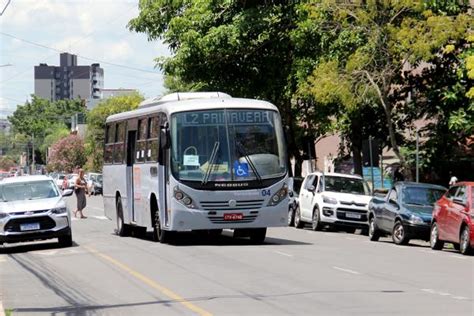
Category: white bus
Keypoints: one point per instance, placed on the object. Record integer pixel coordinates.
(196, 161)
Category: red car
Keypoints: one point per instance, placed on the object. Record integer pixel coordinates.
(453, 219)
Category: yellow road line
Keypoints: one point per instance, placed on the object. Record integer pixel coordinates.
(172, 295)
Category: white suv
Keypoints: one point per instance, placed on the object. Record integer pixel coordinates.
(33, 208)
(333, 199)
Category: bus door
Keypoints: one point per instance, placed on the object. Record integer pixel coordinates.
(131, 137)
(164, 191)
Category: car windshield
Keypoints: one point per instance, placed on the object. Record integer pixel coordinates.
(421, 195)
(346, 185)
(227, 145)
(28, 191)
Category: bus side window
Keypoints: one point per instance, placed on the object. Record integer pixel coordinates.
(152, 139)
(140, 150)
(109, 146)
(119, 148)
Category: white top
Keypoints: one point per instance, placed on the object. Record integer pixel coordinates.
(453, 180)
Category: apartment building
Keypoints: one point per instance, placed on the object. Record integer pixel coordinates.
(69, 80)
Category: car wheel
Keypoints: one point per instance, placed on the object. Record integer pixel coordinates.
(159, 234)
(350, 230)
(464, 242)
(257, 235)
(399, 235)
(435, 243)
(298, 222)
(291, 216)
(65, 241)
(316, 222)
(123, 229)
(374, 233)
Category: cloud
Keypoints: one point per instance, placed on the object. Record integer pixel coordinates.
(94, 29)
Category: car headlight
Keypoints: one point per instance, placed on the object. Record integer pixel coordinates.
(329, 200)
(183, 198)
(416, 219)
(279, 196)
(3, 215)
(59, 210)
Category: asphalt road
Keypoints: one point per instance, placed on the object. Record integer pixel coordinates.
(298, 272)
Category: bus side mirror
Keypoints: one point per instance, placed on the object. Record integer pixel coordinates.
(165, 140)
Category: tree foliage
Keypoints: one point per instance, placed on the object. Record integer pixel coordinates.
(96, 125)
(328, 65)
(67, 154)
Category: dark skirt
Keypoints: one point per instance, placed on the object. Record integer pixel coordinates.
(81, 199)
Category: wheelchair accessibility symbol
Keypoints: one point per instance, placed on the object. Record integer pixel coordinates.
(241, 169)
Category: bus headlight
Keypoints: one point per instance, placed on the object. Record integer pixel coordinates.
(183, 198)
(279, 196)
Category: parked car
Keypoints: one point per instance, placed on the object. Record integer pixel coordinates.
(71, 180)
(94, 182)
(32, 208)
(453, 219)
(404, 213)
(294, 185)
(58, 179)
(333, 199)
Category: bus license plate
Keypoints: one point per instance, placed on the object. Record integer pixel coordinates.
(233, 217)
(353, 215)
(29, 226)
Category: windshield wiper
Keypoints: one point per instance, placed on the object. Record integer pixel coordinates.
(249, 161)
(211, 163)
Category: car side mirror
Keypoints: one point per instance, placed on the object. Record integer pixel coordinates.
(67, 192)
(394, 203)
(312, 188)
(459, 201)
(291, 194)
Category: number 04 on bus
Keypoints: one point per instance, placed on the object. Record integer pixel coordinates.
(196, 161)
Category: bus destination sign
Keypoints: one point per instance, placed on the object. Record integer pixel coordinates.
(233, 117)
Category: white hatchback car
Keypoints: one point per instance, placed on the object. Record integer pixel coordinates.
(333, 199)
(33, 208)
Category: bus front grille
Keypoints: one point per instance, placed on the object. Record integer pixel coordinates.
(225, 205)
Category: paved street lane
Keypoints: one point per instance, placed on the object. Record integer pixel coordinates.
(297, 272)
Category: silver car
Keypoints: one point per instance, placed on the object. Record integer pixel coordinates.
(33, 208)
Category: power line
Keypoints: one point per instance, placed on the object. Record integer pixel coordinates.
(84, 57)
(5, 8)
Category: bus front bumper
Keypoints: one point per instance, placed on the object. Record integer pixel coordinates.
(183, 219)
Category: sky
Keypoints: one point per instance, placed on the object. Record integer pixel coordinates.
(96, 29)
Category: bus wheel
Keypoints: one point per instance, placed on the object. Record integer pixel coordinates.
(257, 235)
(160, 235)
(122, 228)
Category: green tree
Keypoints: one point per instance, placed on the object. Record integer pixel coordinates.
(96, 125)
(242, 48)
(40, 117)
(387, 40)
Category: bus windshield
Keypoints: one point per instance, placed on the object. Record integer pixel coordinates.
(227, 145)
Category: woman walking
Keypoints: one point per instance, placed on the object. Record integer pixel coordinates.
(80, 188)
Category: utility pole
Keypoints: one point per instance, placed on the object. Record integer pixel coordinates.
(417, 155)
(33, 171)
(371, 163)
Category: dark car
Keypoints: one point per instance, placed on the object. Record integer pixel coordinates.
(405, 213)
(294, 185)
